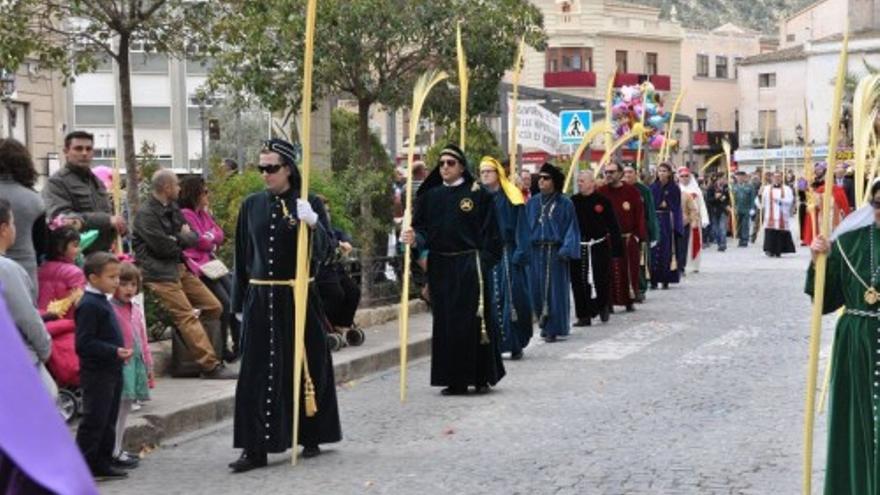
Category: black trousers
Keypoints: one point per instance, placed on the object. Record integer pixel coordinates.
(222, 290)
(341, 297)
(96, 435)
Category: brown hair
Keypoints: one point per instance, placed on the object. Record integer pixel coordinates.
(128, 272)
(16, 162)
(190, 191)
(97, 261)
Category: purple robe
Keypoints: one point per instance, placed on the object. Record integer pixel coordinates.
(667, 203)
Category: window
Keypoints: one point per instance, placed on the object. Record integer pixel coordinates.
(94, 115)
(702, 66)
(620, 60)
(789, 37)
(721, 67)
(736, 62)
(651, 63)
(569, 59)
(767, 80)
(702, 119)
(766, 121)
(152, 117)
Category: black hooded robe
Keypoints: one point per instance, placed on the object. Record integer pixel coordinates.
(455, 223)
(265, 248)
(598, 226)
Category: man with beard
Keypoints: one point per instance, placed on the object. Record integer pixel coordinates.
(265, 271)
(510, 303)
(555, 241)
(600, 240)
(631, 177)
(455, 222)
(630, 212)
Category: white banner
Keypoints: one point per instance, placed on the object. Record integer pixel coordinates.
(537, 128)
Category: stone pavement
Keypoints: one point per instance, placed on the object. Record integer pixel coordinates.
(700, 391)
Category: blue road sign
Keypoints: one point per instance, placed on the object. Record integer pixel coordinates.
(573, 124)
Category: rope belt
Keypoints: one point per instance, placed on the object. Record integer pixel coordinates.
(310, 405)
(862, 313)
(586, 264)
(514, 317)
(593, 242)
(481, 305)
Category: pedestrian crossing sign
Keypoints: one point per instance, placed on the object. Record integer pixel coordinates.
(573, 124)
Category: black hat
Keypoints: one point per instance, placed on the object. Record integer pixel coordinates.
(434, 179)
(290, 154)
(555, 174)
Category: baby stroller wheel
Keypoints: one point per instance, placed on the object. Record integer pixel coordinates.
(355, 336)
(67, 403)
(335, 341)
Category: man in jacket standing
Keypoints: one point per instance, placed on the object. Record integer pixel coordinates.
(160, 236)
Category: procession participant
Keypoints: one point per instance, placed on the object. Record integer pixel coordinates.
(719, 209)
(600, 240)
(630, 176)
(690, 246)
(840, 204)
(525, 187)
(555, 241)
(630, 213)
(510, 303)
(667, 203)
(776, 201)
(455, 221)
(851, 281)
(265, 269)
(744, 205)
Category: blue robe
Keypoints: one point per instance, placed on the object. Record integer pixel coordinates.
(511, 306)
(555, 238)
(667, 203)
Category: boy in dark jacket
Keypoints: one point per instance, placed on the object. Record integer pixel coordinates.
(101, 352)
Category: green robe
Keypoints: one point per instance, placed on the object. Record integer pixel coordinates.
(852, 467)
(653, 232)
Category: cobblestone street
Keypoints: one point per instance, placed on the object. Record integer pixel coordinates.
(700, 391)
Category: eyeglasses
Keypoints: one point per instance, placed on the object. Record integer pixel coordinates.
(447, 163)
(544, 177)
(269, 169)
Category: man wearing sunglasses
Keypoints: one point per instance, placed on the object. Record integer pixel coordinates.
(455, 221)
(265, 270)
(556, 241)
(630, 212)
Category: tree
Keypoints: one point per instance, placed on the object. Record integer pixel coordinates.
(75, 36)
(370, 50)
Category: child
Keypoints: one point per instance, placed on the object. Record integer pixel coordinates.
(101, 352)
(137, 373)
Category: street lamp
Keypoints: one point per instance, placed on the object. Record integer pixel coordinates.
(7, 89)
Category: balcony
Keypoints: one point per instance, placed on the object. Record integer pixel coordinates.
(660, 82)
(625, 79)
(575, 79)
(701, 139)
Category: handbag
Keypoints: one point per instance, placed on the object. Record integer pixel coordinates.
(214, 269)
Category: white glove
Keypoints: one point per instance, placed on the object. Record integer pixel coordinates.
(305, 212)
(238, 316)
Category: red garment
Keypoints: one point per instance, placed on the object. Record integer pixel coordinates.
(628, 207)
(696, 241)
(56, 279)
(63, 363)
(131, 319)
(841, 210)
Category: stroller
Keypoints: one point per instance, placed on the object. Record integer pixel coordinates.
(63, 365)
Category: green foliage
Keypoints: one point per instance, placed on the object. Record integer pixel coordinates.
(480, 142)
(227, 194)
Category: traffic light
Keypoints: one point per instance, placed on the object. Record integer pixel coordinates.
(214, 129)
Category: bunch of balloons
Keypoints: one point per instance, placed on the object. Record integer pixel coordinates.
(628, 106)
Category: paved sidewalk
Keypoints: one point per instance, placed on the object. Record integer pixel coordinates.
(181, 405)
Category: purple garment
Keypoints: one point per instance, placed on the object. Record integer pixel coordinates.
(36, 446)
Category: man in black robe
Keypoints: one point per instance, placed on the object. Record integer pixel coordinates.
(600, 240)
(455, 221)
(265, 268)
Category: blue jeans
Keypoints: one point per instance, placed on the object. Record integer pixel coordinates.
(719, 229)
(742, 225)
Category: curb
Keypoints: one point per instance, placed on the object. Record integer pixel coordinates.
(148, 431)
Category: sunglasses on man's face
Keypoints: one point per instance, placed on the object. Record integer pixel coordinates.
(544, 177)
(447, 163)
(269, 169)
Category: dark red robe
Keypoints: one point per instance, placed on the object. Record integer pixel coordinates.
(629, 209)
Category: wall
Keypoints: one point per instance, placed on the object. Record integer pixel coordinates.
(819, 20)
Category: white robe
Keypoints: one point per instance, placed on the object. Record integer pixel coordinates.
(777, 204)
(692, 189)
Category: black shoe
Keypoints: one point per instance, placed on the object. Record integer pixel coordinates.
(220, 372)
(481, 389)
(605, 314)
(310, 451)
(550, 339)
(630, 308)
(454, 391)
(247, 462)
(125, 461)
(516, 356)
(230, 356)
(665, 286)
(582, 322)
(108, 473)
(653, 286)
